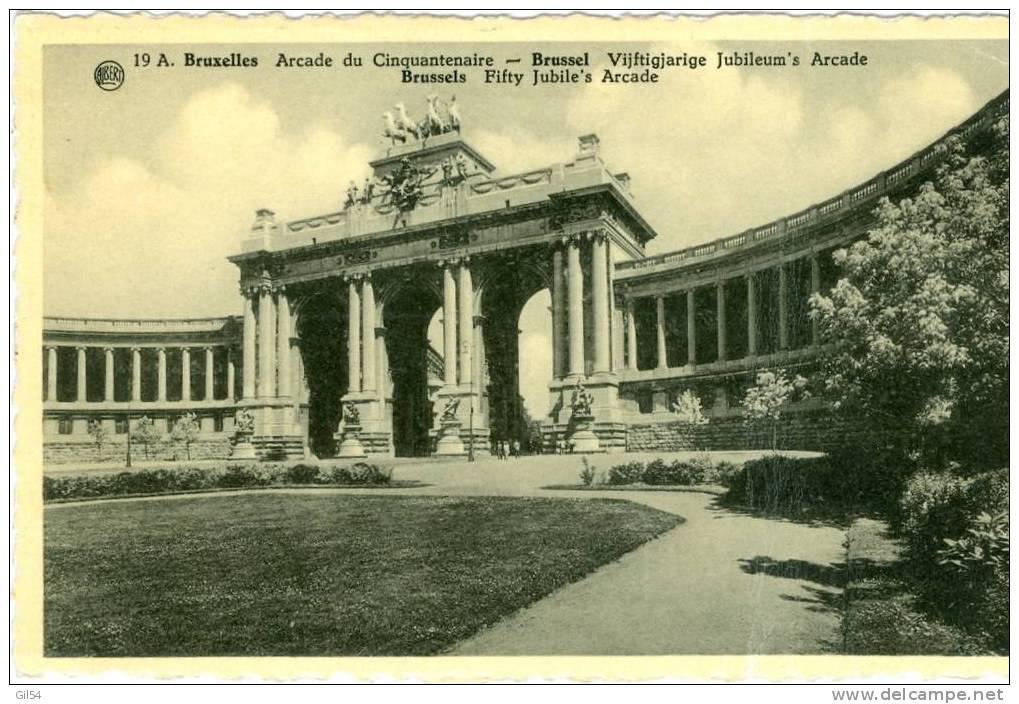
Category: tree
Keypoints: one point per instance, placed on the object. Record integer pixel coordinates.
(99, 435)
(766, 400)
(687, 408)
(186, 430)
(920, 317)
(145, 433)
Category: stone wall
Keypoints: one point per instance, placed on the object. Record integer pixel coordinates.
(816, 430)
(212, 447)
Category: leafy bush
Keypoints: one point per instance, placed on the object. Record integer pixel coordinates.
(587, 473)
(302, 474)
(957, 545)
(174, 479)
(365, 473)
(933, 508)
(657, 472)
(681, 472)
(629, 473)
(726, 473)
(783, 485)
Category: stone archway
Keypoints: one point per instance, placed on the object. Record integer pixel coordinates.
(322, 325)
(408, 307)
(510, 281)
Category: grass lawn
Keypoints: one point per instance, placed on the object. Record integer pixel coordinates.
(880, 616)
(274, 574)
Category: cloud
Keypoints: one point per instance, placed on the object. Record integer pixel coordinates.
(725, 150)
(150, 237)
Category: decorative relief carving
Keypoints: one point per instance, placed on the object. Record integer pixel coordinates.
(362, 256)
(455, 238)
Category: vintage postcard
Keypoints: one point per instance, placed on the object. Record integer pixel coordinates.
(467, 349)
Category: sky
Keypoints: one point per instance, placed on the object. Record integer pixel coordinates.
(149, 188)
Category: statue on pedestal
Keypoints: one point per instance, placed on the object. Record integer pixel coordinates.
(350, 440)
(244, 428)
(581, 400)
(351, 416)
(450, 409)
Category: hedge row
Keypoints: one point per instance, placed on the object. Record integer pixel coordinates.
(955, 531)
(844, 481)
(683, 472)
(177, 479)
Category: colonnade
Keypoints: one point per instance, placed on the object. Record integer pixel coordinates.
(81, 381)
(721, 335)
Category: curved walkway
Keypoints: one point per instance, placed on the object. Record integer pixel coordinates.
(721, 583)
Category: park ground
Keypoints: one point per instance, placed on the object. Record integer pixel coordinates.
(479, 558)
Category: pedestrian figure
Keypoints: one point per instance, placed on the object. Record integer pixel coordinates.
(516, 448)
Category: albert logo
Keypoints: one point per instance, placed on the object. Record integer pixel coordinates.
(109, 75)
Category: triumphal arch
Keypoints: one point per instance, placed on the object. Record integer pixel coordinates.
(333, 355)
(337, 306)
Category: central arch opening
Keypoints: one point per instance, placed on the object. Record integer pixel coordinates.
(406, 317)
(322, 328)
(517, 339)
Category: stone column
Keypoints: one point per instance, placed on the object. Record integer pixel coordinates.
(185, 374)
(558, 316)
(51, 374)
(210, 377)
(720, 299)
(283, 342)
(815, 287)
(367, 335)
(691, 327)
(108, 374)
(231, 374)
(248, 361)
(161, 375)
(465, 287)
(662, 353)
(353, 338)
(82, 391)
(136, 374)
(615, 333)
(600, 303)
(449, 324)
(631, 336)
(783, 307)
(751, 314)
(266, 343)
(575, 296)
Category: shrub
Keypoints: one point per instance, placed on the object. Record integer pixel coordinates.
(238, 476)
(629, 473)
(365, 473)
(781, 484)
(957, 545)
(932, 509)
(656, 472)
(587, 473)
(726, 473)
(302, 474)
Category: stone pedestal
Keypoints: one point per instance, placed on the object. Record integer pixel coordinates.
(450, 444)
(243, 448)
(350, 442)
(581, 437)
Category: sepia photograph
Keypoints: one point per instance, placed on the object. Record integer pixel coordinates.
(448, 340)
